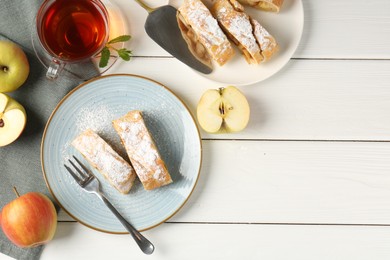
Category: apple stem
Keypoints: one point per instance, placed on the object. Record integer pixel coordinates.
(16, 192)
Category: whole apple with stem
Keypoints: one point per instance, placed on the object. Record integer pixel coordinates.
(14, 66)
(223, 110)
(12, 119)
(30, 220)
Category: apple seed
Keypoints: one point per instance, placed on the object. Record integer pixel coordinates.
(1, 119)
(222, 108)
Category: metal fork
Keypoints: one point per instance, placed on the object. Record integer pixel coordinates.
(90, 183)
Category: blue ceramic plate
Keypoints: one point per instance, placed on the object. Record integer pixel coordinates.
(94, 105)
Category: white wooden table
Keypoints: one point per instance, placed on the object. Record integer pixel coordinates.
(310, 176)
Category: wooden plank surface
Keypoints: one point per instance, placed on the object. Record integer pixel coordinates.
(345, 30)
(291, 182)
(193, 241)
(308, 99)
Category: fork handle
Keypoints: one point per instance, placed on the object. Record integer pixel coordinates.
(144, 244)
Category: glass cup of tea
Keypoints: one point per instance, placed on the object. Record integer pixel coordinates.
(71, 32)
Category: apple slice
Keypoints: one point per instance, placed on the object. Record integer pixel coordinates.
(12, 119)
(223, 110)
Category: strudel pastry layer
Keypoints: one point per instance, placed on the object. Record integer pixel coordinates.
(266, 5)
(267, 42)
(102, 157)
(247, 33)
(142, 151)
(202, 33)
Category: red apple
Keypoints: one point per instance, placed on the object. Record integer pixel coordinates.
(30, 220)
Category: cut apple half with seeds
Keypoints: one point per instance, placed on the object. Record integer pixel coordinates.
(223, 110)
(12, 119)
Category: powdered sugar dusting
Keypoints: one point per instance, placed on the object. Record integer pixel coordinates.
(261, 34)
(95, 119)
(204, 23)
(267, 43)
(141, 148)
(239, 26)
(139, 144)
(106, 160)
(206, 27)
(98, 119)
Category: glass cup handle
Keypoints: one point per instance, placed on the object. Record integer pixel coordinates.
(54, 69)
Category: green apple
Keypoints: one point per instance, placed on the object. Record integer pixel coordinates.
(14, 66)
(223, 110)
(12, 119)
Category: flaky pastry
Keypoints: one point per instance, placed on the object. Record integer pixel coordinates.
(255, 43)
(102, 157)
(142, 151)
(202, 33)
(266, 5)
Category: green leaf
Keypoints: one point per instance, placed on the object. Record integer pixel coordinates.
(124, 54)
(105, 56)
(122, 38)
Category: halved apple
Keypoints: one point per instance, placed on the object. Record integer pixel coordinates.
(223, 110)
(12, 119)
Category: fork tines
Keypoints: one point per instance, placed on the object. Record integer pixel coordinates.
(83, 175)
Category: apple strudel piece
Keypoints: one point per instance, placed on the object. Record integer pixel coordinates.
(102, 157)
(267, 42)
(202, 33)
(236, 24)
(266, 5)
(255, 43)
(142, 150)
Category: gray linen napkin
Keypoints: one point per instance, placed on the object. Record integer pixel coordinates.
(20, 161)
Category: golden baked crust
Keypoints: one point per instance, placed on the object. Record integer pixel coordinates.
(142, 150)
(202, 33)
(102, 157)
(254, 41)
(194, 45)
(236, 24)
(266, 5)
(266, 41)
